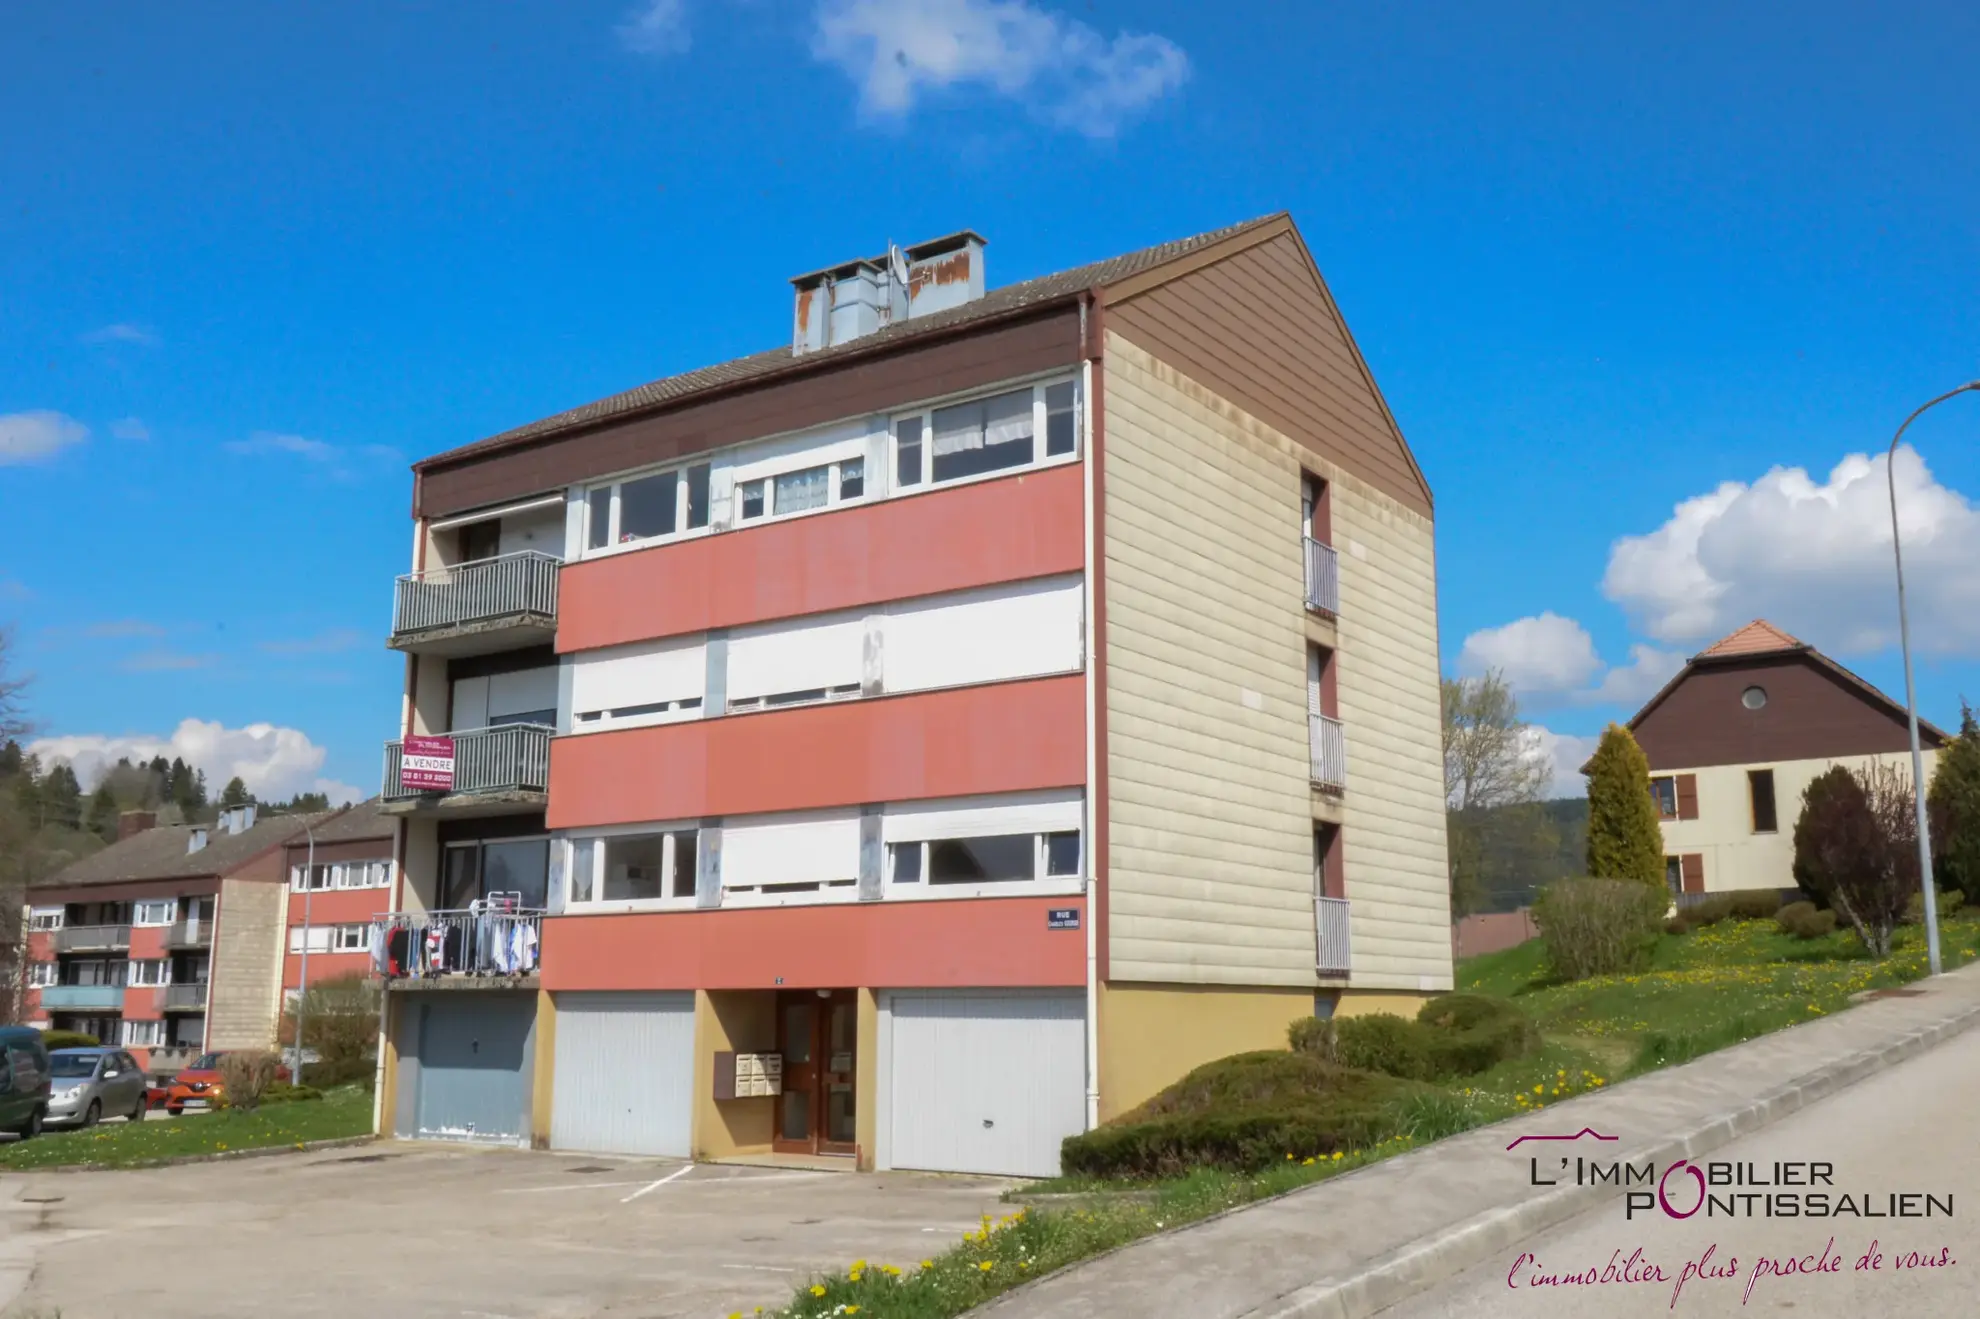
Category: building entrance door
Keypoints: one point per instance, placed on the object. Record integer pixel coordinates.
(818, 1034)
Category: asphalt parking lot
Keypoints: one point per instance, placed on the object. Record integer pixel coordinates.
(421, 1231)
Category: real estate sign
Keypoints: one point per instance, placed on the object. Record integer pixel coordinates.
(426, 764)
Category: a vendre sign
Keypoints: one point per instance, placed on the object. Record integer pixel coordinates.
(426, 764)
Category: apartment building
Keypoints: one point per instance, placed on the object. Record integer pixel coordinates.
(340, 887)
(167, 941)
(1737, 736)
(926, 739)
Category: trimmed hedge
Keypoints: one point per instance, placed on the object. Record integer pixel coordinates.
(1453, 1035)
(1950, 901)
(1757, 904)
(67, 1039)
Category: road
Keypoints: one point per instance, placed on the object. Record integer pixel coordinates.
(1908, 1131)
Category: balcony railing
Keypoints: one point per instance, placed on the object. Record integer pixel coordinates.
(183, 998)
(506, 586)
(189, 934)
(1323, 577)
(1330, 924)
(91, 938)
(491, 941)
(62, 997)
(1329, 749)
(510, 758)
(160, 1059)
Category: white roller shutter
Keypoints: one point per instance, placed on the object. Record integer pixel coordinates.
(470, 709)
(815, 654)
(624, 1072)
(646, 673)
(522, 692)
(985, 1081)
(799, 848)
(979, 817)
(1021, 630)
(1312, 680)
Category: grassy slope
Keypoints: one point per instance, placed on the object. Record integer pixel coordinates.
(343, 1112)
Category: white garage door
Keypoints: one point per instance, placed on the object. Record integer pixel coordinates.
(986, 1082)
(624, 1068)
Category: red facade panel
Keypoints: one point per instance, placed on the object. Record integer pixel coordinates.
(147, 941)
(1003, 737)
(976, 535)
(976, 943)
(325, 966)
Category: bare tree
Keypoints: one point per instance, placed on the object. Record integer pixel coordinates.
(1490, 772)
(1856, 846)
(13, 692)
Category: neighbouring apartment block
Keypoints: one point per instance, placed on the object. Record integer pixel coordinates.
(1737, 736)
(340, 888)
(928, 739)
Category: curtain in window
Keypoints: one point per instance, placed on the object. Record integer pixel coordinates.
(1007, 419)
(798, 491)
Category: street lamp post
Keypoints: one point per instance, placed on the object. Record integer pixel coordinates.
(1911, 692)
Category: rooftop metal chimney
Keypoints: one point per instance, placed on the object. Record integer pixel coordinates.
(195, 841)
(849, 301)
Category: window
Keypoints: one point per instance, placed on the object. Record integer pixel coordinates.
(473, 871)
(986, 859)
(350, 939)
(41, 975)
(1673, 875)
(1760, 789)
(1664, 791)
(852, 479)
(650, 506)
(1753, 698)
(141, 1034)
(984, 435)
(45, 918)
(823, 485)
(635, 867)
(151, 971)
(154, 913)
(1062, 853)
(96, 972)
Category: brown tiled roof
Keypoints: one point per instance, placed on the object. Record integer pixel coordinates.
(1756, 638)
(160, 853)
(364, 820)
(997, 302)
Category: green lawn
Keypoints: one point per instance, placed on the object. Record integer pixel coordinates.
(342, 1112)
(1703, 990)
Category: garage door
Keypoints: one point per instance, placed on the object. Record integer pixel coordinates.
(987, 1083)
(624, 1067)
(473, 1066)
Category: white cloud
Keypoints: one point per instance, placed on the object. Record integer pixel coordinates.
(656, 27)
(1634, 683)
(118, 628)
(327, 642)
(339, 463)
(1564, 754)
(122, 332)
(27, 437)
(264, 442)
(130, 428)
(1064, 70)
(1815, 559)
(1545, 655)
(274, 762)
(167, 661)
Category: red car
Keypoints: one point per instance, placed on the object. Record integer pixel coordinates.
(199, 1086)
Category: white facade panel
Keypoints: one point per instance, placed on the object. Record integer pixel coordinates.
(539, 529)
(1020, 630)
(522, 692)
(798, 848)
(815, 653)
(985, 1082)
(645, 673)
(979, 817)
(624, 1073)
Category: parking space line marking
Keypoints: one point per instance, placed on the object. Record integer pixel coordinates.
(759, 1268)
(574, 1186)
(682, 1171)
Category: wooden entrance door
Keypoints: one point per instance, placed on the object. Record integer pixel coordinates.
(818, 1033)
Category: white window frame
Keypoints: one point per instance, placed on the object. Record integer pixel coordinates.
(614, 544)
(350, 938)
(921, 889)
(162, 965)
(128, 1032)
(47, 918)
(596, 838)
(42, 975)
(1039, 420)
(835, 484)
(138, 917)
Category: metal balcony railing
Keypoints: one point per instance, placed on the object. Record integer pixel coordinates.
(508, 758)
(1328, 745)
(163, 1058)
(91, 938)
(60, 997)
(502, 587)
(1323, 577)
(1330, 925)
(189, 934)
(183, 998)
(475, 941)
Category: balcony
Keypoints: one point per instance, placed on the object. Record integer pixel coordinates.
(67, 998)
(183, 998)
(488, 947)
(165, 1059)
(495, 769)
(477, 608)
(1323, 578)
(1330, 925)
(1328, 746)
(189, 934)
(92, 938)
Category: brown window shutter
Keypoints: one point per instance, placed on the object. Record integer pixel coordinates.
(1693, 866)
(1687, 796)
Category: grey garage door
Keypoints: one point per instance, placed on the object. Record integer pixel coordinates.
(474, 1054)
(624, 1066)
(986, 1082)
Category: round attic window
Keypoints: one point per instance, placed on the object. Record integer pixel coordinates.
(1753, 697)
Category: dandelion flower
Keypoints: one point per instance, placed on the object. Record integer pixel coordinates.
(817, 1289)
(985, 1266)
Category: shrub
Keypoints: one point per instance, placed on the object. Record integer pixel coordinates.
(1317, 1036)
(1804, 920)
(1242, 1113)
(1755, 904)
(281, 1092)
(1596, 927)
(1624, 839)
(1950, 901)
(1472, 1033)
(246, 1075)
(1714, 909)
(1856, 848)
(340, 1028)
(1383, 1042)
(1791, 916)
(1953, 801)
(67, 1039)
(1677, 924)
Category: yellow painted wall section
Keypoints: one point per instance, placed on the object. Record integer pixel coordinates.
(731, 1021)
(866, 1080)
(1153, 1035)
(1361, 1003)
(387, 1104)
(543, 1084)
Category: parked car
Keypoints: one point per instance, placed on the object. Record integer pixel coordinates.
(198, 1086)
(92, 1084)
(24, 1086)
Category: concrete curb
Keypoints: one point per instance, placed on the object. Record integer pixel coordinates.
(1392, 1278)
(219, 1156)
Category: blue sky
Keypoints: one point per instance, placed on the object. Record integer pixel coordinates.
(254, 259)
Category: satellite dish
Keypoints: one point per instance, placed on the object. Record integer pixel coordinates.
(897, 264)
